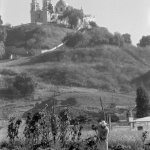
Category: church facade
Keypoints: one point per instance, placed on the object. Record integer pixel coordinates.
(43, 15)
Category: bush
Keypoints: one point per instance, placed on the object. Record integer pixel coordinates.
(24, 83)
(73, 39)
(71, 101)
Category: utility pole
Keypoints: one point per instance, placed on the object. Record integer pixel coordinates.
(102, 108)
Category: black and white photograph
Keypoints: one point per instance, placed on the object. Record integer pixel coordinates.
(74, 74)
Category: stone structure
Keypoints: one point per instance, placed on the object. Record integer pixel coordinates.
(43, 16)
(40, 15)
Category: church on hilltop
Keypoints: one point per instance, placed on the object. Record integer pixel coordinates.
(44, 16)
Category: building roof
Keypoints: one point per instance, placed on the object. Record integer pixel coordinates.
(61, 3)
(145, 119)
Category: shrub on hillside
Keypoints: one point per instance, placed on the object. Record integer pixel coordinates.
(71, 101)
(73, 39)
(24, 83)
(99, 36)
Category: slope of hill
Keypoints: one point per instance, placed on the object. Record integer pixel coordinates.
(110, 69)
(144, 79)
(105, 67)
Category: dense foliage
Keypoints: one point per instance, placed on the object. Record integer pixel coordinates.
(96, 36)
(20, 85)
(34, 37)
(144, 41)
(73, 39)
(45, 129)
(73, 15)
(127, 38)
(50, 8)
(24, 83)
(3, 33)
(93, 24)
(142, 103)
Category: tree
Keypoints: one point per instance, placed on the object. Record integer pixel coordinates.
(142, 103)
(50, 8)
(73, 39)
(93, 24)
(99, 36)
(117, 39)
(127, 38)
(24, 84)
(73, 16)
(3, 34)
(144, 41)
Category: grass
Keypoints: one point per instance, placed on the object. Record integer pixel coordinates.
(126, 138)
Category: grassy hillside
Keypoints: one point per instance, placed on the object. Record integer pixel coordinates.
(83, 73)
(104, 67)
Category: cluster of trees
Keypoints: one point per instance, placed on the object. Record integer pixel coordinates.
(27, 38)
(96, 36)
(73, 15)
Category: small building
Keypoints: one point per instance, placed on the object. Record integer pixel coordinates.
(140, 124)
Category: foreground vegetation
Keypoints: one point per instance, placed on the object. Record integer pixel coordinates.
(75, 138)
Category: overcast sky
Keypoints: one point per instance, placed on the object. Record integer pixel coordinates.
(124, 16)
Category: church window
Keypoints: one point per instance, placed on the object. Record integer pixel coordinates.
(61, 9)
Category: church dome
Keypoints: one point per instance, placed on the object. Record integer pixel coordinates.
(61, 3)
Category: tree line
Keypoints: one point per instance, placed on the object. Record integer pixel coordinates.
(95, 36)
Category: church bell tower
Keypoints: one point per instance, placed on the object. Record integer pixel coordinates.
(46, 14)
(34, 8)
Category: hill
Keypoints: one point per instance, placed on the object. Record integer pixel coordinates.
(85, 73)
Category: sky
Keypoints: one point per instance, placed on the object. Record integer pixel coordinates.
(123, 16)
